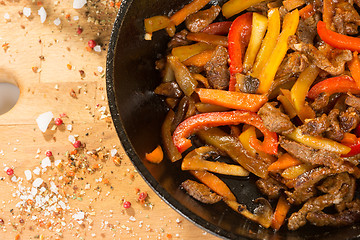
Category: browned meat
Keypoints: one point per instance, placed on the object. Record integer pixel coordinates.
(201, 19)
(293, 64)
(298, 219)
(334, 131)
(310, 155)
(346, 19)
(300, 196)
(321, 101)
(335, 66)
(179, 39)
(200, 192)
(274, 120)
(261, 7)
(270, 187)
(344, 218)
(353, 101)
(217, 70)
(169, 89)
(306, 31)
(247, 83)
(349, 195)
(315, 127)
(332, 184)
(349, 119)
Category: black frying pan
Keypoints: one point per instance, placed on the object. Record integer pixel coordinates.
(138, 113)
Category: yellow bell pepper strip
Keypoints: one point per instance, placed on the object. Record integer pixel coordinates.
(283, 162)
(185, 52)
(214, 119)
(200, 78)
(183, 76)
(194, 160)
(232, 7)
(337, 40)
(171, 29)
(318, 142)
(208, 38)
(268, 43)
(214, 183)
(290, 23)
(206, 107)
(239, 37)
(245, 140)
(234, 100)
(341, 84)
(232, 147)
(295, 171)
(259, 25)
(199, 60)
(187, 10)
(169, 147)
(286, 102)
(302, 86)
(354, 67)
(218, 28)
(156, 23)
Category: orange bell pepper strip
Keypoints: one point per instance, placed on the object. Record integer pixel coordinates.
(307, 11)
(337, 40)
(290, 24)
(218, 28)
(341, 84)
(239, 37)
(200, 59)
(269, 42)
(186, 52)
(354, 67)
(214, 119)
(156, 156)
(156, 23)
(234, 100)
(187, 10)
(215, 184)
(281, 210)
(208, 38)
(232, 7)
(328, 13)
(283, 162)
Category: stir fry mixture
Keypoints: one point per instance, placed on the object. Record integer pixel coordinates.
(273, 85)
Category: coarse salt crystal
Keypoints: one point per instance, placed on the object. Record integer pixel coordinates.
(57, 21)
(42, 189)
(71, 139)
(97, 48)
(27, 11)
(77, 4)
(33, 191)
(46, 162)
(7, 16)
(100, 69)
(43, 120)
(57, 162)
(42, 14)
(132, 218)
(36, 171)
(37, 182)
(113, 152)
(14, 179)
(69, 127)
(27, 174)
(53, 187)
(76, 18)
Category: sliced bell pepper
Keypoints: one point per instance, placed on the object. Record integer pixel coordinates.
(302, 86)
(238, 38)
(218, 28)
(318, 142)
(156, 156)
(283, 162)
(355, 148)
(245, 140)
(352, 141)
(307, 11)
(169, 147)
(214, 119)
(183, 76)
(232, 7)
(290, 24)
(295, 171)
(258, 29)
(208, 38)
(200, 59)
(268, 43)
(328, 13)
(186, 52)
(337, 40)
(341, 84)
(156, 23)
(354, 66)
(281, 210)
(206, 107)
(187, 10)
(234, 100)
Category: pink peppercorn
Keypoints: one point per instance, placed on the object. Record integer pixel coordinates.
(142, 196)
(127, 204)
(9, 171)
(79, 30)
(58, 121)
(91, 43)
(48, 153)
(77, 144)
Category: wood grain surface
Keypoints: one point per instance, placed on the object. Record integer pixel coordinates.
(48, 62)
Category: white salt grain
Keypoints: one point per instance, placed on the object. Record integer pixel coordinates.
(46, 162)
(27, 11)
(36, 171)
(42, 14)
(97, 48)
(77, 4)
(57, 21)
(43, 120)
(27, 174)
(71, 139)
(7, 16)
(37, 182)
(113, 152)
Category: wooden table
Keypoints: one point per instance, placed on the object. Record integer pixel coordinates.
(48, 62)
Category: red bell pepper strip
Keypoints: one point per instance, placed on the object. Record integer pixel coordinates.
(341, 84)
(238, 38)
(214, 119)
(355, 148)
(218, 28)
(337, 40)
